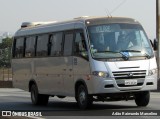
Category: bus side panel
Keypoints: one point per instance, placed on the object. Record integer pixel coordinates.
(22, 72)
(49, 75)
(81, 69)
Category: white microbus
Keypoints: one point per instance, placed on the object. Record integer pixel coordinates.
(90, 58)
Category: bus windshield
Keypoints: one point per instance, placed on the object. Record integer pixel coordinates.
(119, 40)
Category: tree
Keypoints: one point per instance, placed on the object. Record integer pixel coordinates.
(5, 52)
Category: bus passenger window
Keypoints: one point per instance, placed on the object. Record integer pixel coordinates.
(80, 47)
(19, 48)
(30, 47)
(68, 44)
(42, 45)
(56, 44)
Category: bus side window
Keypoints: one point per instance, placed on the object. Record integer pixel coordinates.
(80, 47)
(42, 45)
(68, 43)
(30, 46)
(19, 48)
(56, 44)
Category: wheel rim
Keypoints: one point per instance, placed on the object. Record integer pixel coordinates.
(82, 97)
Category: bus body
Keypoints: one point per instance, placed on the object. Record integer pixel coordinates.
(90, 58)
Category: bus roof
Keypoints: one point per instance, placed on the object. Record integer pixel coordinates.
(30, 28)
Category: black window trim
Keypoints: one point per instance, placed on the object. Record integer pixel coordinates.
(48, 40)
(14, 47)
(74, 31)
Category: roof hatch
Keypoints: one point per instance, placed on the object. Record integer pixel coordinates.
(32, 24)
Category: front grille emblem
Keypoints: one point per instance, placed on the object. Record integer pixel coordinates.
(130, 74)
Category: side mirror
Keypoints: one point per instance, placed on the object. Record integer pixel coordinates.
(84, 54)
(151, 43)
(155, 44)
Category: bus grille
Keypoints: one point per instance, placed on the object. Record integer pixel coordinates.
(129, 74)
(121, 76)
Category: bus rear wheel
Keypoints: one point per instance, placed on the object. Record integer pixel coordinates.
(38, 99)
(84, 100)
(142, 98)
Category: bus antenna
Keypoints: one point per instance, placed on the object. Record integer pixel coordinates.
(118, 6)
(108, 13)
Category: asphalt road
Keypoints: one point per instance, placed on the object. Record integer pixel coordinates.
(19, 100)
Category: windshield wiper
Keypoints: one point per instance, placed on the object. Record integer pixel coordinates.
(106, 51)
(130, 51)
(145, 54)
(125, 57)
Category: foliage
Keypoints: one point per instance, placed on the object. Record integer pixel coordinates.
(5, 52)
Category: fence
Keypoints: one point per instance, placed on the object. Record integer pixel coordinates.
(5, 77)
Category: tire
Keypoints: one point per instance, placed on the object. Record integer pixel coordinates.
(142, 98)
(36, 98)
(83, 99)
(61, 96)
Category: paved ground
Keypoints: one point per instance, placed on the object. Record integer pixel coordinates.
(19, 100)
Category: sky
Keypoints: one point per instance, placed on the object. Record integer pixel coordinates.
(14, 12)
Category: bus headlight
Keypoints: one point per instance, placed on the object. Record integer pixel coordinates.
(152, 72)
(101, 74)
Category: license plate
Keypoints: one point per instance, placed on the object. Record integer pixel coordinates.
(131, 82)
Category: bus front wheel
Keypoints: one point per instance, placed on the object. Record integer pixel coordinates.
(38, 99)
(84, 100)
(142, 98)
